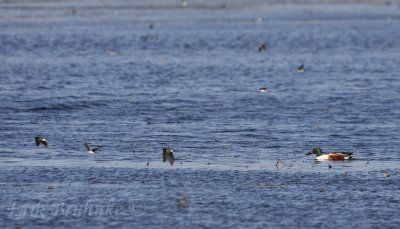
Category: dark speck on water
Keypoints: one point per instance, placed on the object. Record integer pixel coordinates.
(185, 74)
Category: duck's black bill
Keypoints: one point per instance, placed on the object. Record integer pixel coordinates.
(308, 153)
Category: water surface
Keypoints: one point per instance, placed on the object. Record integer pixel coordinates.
(97, 72)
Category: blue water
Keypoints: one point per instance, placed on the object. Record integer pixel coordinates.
(96, 72)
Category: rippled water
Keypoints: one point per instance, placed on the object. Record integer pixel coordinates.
(97, 72)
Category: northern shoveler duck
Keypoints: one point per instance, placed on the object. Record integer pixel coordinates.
(90, 150)
(334, 156)
(168, 155)
(39, 140)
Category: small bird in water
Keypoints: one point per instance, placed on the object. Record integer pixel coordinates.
(301, 68)
(263, 89)
(168, 155)
(90, 150)
(41, 140)
(334, 156)
(262, 47)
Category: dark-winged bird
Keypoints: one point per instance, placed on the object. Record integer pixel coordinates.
(301, 68)
(90, 150)
(39, 140)
(262, 47)
(168, 155)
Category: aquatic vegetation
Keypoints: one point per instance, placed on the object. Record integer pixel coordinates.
(183, 197)
(260, 184)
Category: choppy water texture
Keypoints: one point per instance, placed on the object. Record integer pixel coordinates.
(148, 75)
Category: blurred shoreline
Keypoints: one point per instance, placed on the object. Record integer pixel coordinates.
(167, 12)
(180, 4)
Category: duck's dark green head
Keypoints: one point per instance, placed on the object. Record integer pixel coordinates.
(316, 151)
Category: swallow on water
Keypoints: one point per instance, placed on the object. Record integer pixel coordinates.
(90, 150)
(262, 47)
(39, 140)
(167, 155)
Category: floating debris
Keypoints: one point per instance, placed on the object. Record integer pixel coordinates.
(280, 161)
(385, 174)
(50, 187)
(321, 190)
(261, 166)
(145, 150)
(301, 68)
(244, 184)
(22, 185)
(262, 47)
(113, 54)
(166, 178)
(183, 197)
(345, 174)
(144, 38)
(39, 140)
(260, 184)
